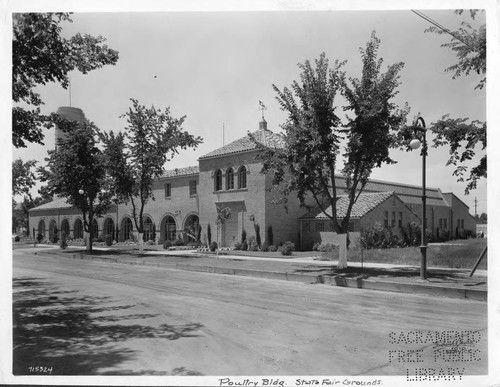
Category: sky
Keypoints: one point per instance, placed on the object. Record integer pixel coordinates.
(214, 67)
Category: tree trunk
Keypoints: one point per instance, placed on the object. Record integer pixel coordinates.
(342, 251)
(141, 242)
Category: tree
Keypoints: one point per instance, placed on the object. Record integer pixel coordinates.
(307, 160)
(76, 171)
(22, 213)
(23, 177)
(462, 136)
(135, 159)
(41, 55)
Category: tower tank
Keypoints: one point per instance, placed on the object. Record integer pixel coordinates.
(70, 113)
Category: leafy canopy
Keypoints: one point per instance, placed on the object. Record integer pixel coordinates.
(41, 55)
(313, 133)
(463, 136)
(78, 165)
(23, 177)
(135, 159)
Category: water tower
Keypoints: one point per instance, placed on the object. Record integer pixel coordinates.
(70, 113)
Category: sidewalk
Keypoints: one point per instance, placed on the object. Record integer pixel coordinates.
(441, 282)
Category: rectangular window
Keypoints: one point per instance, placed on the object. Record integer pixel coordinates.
(393, 222)
(458, 223)
(400, 220)
(168, 190)
(445, 224)
(192, 188)
(386, 219)
(441, 223)
(463, 223)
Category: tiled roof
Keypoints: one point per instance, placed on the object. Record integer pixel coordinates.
(365, 203)
(177, 172)
(57, 203)
(245, 144)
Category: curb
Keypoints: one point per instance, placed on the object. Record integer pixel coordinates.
(388, 286)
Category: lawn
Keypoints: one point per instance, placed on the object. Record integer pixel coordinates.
(455, 254)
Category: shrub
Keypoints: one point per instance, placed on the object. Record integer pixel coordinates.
(377, 237)
(257, 234)
(213, 246)
(39, 238)
(17, 239)
(100, 239)
(179, 242)
(326, 247)
(410, 234)
(316, 246)
(287, 248)
(264, 247)
(167, 244)
(64, 242)
(243, 236)
(272, 248)
(54, 238)
(270, 235)
(109, 240)
(237, 246)
(252, 244)
(244, 246)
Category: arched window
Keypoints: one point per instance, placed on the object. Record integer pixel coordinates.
(218, 180)
(78, 229)
(41, 228)
(95, 229)
(170, 230)
(109, 227)
(65, 227)
(127, 229)
(242, 177)
(230, 179)
(53, 230)
(148, 230)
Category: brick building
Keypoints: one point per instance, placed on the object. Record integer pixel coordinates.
(229, 177)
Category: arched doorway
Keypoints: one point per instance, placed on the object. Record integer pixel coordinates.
(192, 228)
(149, 230)
(109, 228)
(41, 229)
(65, 227)
(78, 229)
(126, 232)
(168, 229)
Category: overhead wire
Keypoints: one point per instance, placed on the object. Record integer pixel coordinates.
(427, 18)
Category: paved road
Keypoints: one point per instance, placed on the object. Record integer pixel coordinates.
(83, 318)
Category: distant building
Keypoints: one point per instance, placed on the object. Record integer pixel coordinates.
(229, 177)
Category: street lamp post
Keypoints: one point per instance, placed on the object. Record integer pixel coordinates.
(420, 131)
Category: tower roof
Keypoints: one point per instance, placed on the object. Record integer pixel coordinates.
(245, 144)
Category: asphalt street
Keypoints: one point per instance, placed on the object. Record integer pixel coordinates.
(78, 317)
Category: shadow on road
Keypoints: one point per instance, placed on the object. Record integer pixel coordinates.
(437, 275)
(78, 335)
